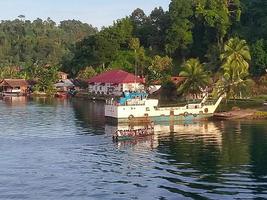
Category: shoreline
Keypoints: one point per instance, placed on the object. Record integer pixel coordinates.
(249, 114)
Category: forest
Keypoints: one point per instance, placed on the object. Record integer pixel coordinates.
(222, 41)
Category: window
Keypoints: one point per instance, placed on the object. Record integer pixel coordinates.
(147, 109)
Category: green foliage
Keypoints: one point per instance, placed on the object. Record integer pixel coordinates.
(196, 78)
(253, 24)
(9, 72)
(179, 34)
(86, 73)
(23, 43)
(259, 58)
(124, 60)
(160, 68)
(235, 58)
(217, 15)
(100, 49)
(234, 88)
(141, 61)
(46, 78)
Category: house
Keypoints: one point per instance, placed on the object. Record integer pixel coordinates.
(115, 82)
(64, 85)
(15, 87)
(62, 75)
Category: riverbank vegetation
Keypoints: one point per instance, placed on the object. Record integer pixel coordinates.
(222, 44)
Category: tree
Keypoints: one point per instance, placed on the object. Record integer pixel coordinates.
(233, 88)
(160, 68)
(196, 78)
(142, 26)
(235, 58)
(159, 23)
(217, 16)
(86, 73)
(24, 42)
(141, 60)
(259, 58)
(125, 60)
(253, 23)
(46, 78)
(179, 34)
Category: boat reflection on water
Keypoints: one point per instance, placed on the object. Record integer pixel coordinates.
(207, 132)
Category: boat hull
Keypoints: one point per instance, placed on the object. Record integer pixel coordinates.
(149, 110)
(178, 118)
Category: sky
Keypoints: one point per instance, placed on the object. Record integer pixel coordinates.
(96, 12)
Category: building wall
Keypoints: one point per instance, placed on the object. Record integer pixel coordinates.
(111, 89)
(19, 89)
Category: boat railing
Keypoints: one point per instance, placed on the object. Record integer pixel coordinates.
(127, 103)
(210, 102)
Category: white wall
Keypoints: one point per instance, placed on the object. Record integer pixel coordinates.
(117, 90)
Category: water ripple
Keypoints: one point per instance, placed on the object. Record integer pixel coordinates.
(60, 150)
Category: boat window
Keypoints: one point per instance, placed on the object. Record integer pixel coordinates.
(147, 109)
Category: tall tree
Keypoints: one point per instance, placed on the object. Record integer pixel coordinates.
(236, 58)
(259, 58)
(179, 34)
(160, 22)
(160, 68)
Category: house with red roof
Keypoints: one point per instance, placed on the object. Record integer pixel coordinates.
(115, 82)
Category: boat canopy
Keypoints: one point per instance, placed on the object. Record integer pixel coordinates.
(132, 95)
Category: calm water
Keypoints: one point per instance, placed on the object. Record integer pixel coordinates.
(63, 150)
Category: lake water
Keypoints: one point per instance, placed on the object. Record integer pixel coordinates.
(56, 149)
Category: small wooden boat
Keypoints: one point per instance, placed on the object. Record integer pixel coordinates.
(122, 135)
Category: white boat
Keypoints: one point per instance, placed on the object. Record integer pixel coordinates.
(136, 106)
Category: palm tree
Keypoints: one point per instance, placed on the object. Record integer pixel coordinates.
(234, 89)
(236, 58)
(196, 78)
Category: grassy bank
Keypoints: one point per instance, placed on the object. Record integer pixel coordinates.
(240, 103)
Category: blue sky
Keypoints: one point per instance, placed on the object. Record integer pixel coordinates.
(96, 12)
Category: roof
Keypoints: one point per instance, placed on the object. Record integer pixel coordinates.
(64, 83)
(62, 73)
(14, 83)
(116, 76)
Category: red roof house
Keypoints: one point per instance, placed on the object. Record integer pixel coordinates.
(116, 77)
(114, 82)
